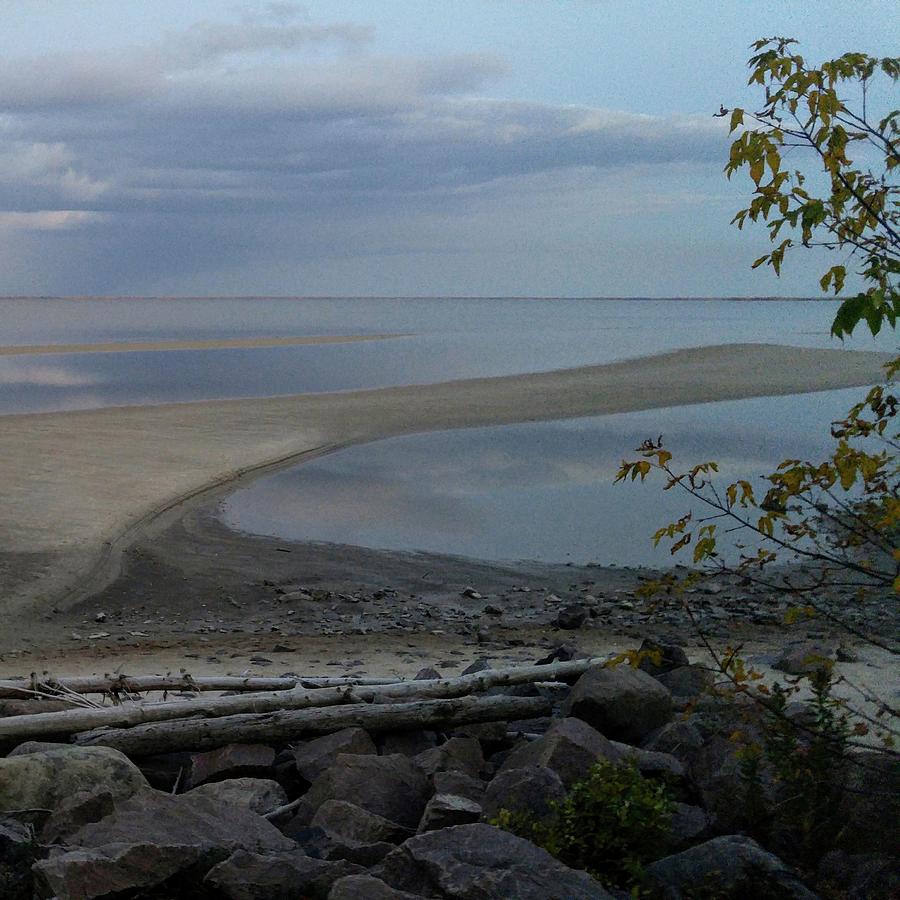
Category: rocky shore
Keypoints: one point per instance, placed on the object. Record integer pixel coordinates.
(381, 813)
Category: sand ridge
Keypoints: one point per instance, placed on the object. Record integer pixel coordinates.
(77, 487)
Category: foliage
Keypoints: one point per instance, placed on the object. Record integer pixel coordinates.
(858, 210)
(609, 824)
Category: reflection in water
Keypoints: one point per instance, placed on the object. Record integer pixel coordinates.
(539, 491)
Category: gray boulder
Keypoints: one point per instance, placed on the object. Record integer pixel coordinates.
(651, 762)
(679, 738)
(802, 659)
(687, 681)
(44, 779)
(230, 761)
(688, 825)
(661, 657)
(315, 756)
(37, 747)
(459, 754)
(390, 786)
(76, 811)
(354, 825)
(409, 743)
(532, 790)
(259, 795)
(480, 862)
(458, 783)
(570, 747)
(733, 866)
(366, 887)
(621, 702)
(446, 810)
(281, 876)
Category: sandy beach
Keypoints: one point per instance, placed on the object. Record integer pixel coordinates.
(77, 488)
(221, 344)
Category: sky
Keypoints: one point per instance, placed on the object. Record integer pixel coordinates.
(390, 147)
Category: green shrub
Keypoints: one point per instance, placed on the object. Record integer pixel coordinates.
(609, 824)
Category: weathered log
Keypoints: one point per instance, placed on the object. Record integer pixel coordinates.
(59, 724)
(289, 725)
(136, 684)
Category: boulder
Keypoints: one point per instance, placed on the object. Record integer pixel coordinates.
(354, 825)
(570, 747)
(480, 862)
(446, 810)
(409, 743)
(17, 852)
(74, 812)
(458, 783)
(688, 825)
(459, 754)
(651, 762)
(872, 794)
(390, 786)
(531, 789)
(859, 876)
(36, 747)
(802, 659)
(44, 779)
(679, 738)
(572, 617)
(660, 657)
(231, 761)
(733, 866)
(116, 870)
(315, 756)
(687, 681)
(187, 820)
(259, 795)
(366, 887)
(279, 876)
(621, 702)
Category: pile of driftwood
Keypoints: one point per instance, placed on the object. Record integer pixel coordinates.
(266, 710)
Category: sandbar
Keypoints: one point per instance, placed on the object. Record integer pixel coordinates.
(79, 487)
(218, 344)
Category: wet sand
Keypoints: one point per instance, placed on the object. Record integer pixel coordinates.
(77, 489)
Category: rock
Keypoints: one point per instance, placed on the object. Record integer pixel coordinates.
(863, 876)
(563, 653)
(445, 810)
(365, 887)
(680, 738)
(734, 865)
(651, 762)
(846, 655)
(571, 618)
(17, 851)
(282, 876)
(165, 771)
(621, 702)
(259, 795)
(471, 594)
(315, 756)
(74, 812)
(570, 747)
(663, 657)
(390, 786)
(458, 783)
(36, 747)
(429, 673)
(409, 743)
(531, 789)
(354, 825)
(44, 779)
(114, 870)
(688, 825)
(872, 795)
(687, 681)
(803, 659)
(480, 665)
(231, 761)
(459, 754)
(186, 820)
(480, 862)
(493, 733)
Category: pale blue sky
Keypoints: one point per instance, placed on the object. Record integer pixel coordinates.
(479, 148)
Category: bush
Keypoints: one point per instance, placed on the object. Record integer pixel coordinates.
(610, 824)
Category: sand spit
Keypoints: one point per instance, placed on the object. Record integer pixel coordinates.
(77, 488)
(223, 344)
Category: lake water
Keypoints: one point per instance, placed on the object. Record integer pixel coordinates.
(533, 491)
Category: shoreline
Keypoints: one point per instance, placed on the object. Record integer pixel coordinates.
(66, 517)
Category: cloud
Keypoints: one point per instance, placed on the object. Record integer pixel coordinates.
(48, 219)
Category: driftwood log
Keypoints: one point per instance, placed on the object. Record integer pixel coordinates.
(136, 684)
(289, 725)
(68, 722)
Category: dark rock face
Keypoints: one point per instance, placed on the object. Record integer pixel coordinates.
(571, 618)
(686, 681)
(365, 887)
(734, 865)
(259, 795)
(459, 754)
(74, 812)
(872, 795)
(532, 790)
(859, 876)
(458, 783)
(353, 824)
(409, 743)
(479, 862)
(44, 779)
(688, 825)
(623, 703)
(446, 810)
(665, 657)
(680, 738)
(389, 786)
(231, 761)
(17, 850)
(281, 876)
(314, 757)
(803, 659)
(570, 747)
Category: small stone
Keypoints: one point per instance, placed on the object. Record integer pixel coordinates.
(571, 618)
(471, 594)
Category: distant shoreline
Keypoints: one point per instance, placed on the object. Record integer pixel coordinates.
(768, 299)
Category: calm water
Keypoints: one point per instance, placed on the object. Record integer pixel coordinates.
(533, 491)
(451, 338)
